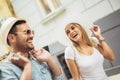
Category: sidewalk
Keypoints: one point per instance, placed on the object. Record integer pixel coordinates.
(115, 77)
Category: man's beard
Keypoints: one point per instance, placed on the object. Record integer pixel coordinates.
(30, 48)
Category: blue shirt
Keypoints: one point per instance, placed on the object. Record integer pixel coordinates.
(40, 71)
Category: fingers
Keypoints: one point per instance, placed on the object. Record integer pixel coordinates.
(37, 53)
(91, 29)
(41, 50)
(19, 60)
(33, 51)
(14, 60)
(15, 56)
(95, 28)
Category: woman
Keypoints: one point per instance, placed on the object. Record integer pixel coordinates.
(85, 58)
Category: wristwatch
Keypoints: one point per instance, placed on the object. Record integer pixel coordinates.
(102, 39)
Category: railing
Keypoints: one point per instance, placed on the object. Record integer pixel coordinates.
(113, 70)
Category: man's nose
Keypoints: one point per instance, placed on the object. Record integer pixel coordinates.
(32, 34)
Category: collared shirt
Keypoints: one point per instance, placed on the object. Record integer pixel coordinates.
(40, 71)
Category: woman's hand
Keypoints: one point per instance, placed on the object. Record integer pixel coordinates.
(96, 30)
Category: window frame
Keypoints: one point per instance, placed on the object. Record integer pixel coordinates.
(54, 11)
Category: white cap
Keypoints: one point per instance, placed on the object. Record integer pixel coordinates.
(5, 28)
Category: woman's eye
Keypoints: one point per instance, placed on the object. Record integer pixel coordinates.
(67, 32)
(72, 28)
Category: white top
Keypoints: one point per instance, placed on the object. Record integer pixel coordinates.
(90, 67)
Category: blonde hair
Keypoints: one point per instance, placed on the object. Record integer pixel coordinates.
(85, 37)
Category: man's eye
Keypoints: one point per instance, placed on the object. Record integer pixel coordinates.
(28, 31)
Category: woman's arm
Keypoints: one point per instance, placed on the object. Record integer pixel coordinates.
(103, 47)
(73, 69)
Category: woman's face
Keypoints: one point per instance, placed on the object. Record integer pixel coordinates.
(73, 32)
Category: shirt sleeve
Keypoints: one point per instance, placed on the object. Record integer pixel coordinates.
(69, 53)
(61, 77)
(6, 74)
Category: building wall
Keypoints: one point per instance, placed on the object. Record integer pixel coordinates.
(53, 30)
(6, 8)
(84, 12)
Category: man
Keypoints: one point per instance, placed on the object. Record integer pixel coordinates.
(24, 62)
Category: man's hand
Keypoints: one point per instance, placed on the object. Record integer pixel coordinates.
(41, 55)
(19, 60)
(44, 56)
(24, 63)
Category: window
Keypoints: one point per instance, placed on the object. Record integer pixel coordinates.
(49, 8)
(61, 59)
(46, 48)
(49, 5)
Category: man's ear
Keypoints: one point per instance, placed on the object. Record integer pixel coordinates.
(11, 38)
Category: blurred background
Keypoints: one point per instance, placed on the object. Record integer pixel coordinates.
(48, 19)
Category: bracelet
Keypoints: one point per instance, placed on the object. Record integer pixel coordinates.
(101, 40)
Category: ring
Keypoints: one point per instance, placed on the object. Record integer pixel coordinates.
(15, 56)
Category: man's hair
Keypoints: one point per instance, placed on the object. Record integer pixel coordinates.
(14, 29)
